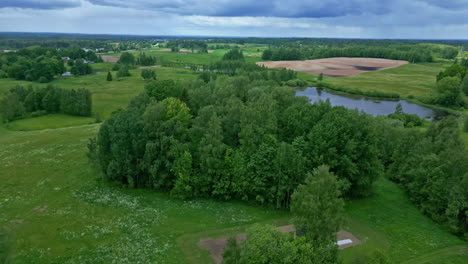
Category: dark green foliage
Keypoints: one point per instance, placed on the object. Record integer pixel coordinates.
(199, 46)
(465, 125)
(123, 72)
(320, 77)
(145, 60)
(455, 70)
(41, 100)
(162, 89)
(232, 252)
(127, 58)
(239, 144)
(433, 169)
(148, 74)
(464, 85)
(11, 107)
(408, 120)
(448, 92)
(266, 244)
(411, 53)
(317, 206)
(346, 142)
(109, 76)
(234, 54)
(81, 68)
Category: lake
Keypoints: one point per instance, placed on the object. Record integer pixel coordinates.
(371, 106)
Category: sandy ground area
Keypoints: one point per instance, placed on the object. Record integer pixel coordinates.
(336, 67)
(106, 58)
(216, 245)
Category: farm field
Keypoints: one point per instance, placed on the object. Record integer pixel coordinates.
(336, 67)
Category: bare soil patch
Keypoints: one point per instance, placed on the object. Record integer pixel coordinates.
(216, 245)
(336, 67)
(107, 58)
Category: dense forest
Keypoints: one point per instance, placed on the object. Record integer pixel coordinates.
(411, 53)
(243, 136)
(35, 101)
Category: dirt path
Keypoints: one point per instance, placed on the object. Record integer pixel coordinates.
(216, 245)
(336, 67)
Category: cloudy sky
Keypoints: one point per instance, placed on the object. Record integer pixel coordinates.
(423, 19)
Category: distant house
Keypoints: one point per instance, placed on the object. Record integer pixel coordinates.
(8, 51)
(67, 74)
(65, 59)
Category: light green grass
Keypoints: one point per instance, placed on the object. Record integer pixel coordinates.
(49, 122)
(388, 220)
(54, 211)
(107, 96)
(416, 80)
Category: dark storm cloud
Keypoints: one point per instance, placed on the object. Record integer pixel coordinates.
(258, 8)
(40, 4)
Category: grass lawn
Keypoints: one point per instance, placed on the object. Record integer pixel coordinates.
(107, 96)
(62, 213)
(53, 210)
(49, 122)
(416, 80)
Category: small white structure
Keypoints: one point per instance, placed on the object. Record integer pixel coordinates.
(344, 242)
(67, 74)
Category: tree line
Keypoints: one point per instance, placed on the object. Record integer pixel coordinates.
(34, 101)
(42, 64)
(413, 53)
(451, 89)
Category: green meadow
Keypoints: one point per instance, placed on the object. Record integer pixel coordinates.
(64, 213)
(54, 207)
(410, 80)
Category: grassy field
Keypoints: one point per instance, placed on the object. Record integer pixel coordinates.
(55, 209)
(410, 80)
(63, 213)
(252, 53)
(107, 96)
(49, 122)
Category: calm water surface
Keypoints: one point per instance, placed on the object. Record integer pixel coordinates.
(367, 105)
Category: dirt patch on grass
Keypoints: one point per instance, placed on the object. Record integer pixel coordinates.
(216, 245)
(106, 58)
(149, 67)
(41, 209)
(336, 67)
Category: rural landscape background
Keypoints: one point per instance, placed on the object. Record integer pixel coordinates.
(266, 132)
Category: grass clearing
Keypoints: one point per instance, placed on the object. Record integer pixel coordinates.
(49, 122)
(387, 220)
(107, 96)
(408, 80)
(61, 214)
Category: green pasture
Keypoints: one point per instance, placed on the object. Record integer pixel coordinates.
(410, 80)
(55, 209)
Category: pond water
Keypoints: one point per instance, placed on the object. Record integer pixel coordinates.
(371, 106)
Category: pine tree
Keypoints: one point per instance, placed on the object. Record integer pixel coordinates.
(109, 76)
